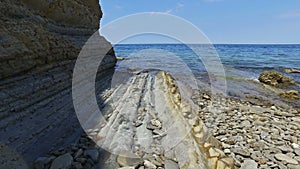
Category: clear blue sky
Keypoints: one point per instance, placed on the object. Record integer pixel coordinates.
(223, 21)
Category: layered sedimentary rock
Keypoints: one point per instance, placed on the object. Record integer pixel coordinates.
(150, 123)
(40, 41)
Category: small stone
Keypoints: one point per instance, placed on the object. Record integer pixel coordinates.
(283, 157)
(63, 161)
(197, 129)
(294, 145)
(159, 132)
(127, 158)
(297, 151)
(242, 152)
(149, 165)
(262, 161)
(294, 139)
(127, 168)
(227, 151)
(245, 123)
(285, 149)
(154, 124)
(206, 96)
(249, 164)
(226, 146)
(93, 154)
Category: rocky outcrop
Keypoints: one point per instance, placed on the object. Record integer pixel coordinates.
(275, 79)
(149, 123)
(41, 34)
(40, 41)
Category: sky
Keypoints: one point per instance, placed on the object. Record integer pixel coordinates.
(222, 21)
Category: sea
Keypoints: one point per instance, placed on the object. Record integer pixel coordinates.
(241, 63)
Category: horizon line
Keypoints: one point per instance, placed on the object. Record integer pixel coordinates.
(207, 44)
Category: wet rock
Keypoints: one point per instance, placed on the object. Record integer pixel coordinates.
(121, 58)
(62, 162)
(292, 94)
(275, 79)
(291, 70)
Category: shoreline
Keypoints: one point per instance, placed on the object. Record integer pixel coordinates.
(243, 130)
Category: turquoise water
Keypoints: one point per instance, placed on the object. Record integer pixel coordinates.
(246, 61)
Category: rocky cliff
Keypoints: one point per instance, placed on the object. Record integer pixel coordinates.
(40, 41)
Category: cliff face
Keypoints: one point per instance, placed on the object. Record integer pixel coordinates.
(40, 41)
(35, 33)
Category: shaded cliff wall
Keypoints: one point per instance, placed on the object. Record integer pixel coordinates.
(40, 41)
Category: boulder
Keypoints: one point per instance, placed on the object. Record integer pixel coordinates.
(275, 79)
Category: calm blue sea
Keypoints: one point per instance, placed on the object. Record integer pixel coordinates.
(246, 61)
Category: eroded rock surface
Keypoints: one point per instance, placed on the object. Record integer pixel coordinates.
(40, 42)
